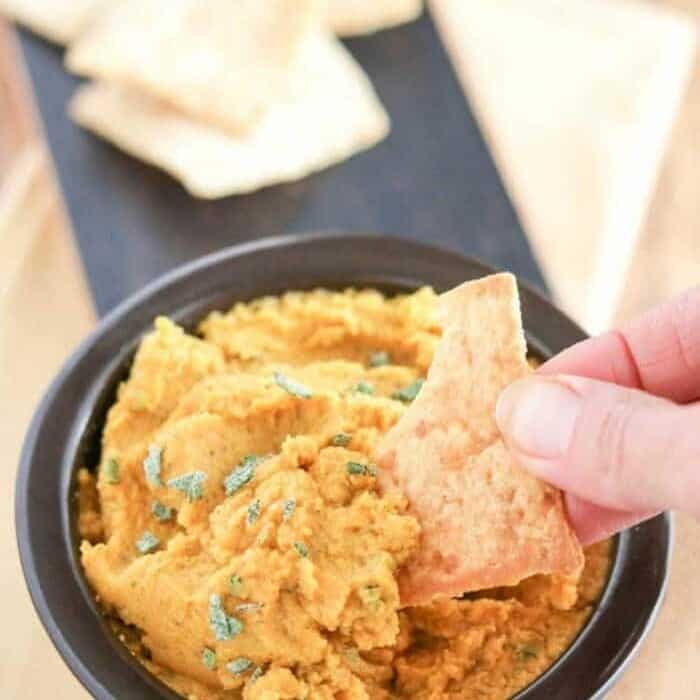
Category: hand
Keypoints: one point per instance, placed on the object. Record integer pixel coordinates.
(612, 421)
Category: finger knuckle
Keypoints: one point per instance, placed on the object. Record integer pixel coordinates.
(613, 445)
(685, 325)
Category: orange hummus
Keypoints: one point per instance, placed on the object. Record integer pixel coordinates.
(236, 536)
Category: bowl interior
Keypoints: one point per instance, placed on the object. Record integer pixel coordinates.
(67, 427)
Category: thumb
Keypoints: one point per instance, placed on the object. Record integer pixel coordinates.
(613, 446)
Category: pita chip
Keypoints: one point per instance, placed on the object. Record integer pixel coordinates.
(485, 521)
(218, 61)
(353, 17)
(60, 21)
(330, 114)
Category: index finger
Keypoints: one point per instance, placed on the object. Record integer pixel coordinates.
(659, 352)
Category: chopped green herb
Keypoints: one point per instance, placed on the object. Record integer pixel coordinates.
(224, 626)
(359, 469)
(257, 673)
(407, 394)
(151, 465)
(341, 440)
(254, 511)
(242, 474)
(302, 549)
(248, 607)
(111, 471)
(209, 658)
(147, 542)
(239, 665)
(526, 651)
(290, 505)
(364, 388)
(379, 359)
(161, 512)
(235, 584)
(292, 387)
(192, 485)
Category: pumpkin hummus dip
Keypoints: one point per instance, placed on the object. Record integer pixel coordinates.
(237, 537)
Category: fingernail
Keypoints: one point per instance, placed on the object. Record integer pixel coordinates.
(537, 417)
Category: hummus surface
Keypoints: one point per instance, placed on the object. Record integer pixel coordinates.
(236, 536)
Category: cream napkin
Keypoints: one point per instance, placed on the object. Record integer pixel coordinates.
(576, 99)
(45, 310)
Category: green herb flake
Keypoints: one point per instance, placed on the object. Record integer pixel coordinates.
(407, 394)
(254, 511)
(222, 625)
(152, 464)
(111, 471)
(379, 359)
(239, 665)
(235, 585)
(359, 469)
(192, 485)
(364, 388)
(302, 549)
(162, 512)
(526, 651)
(292, 387)
(248, 607)
(341, 440)
(147, 542)
(242, 474)
(209, 658)
(257, 674)
(290, 505)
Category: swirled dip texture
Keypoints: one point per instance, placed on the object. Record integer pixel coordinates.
(235, 534)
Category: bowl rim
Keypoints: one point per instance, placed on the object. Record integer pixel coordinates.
(149, 294)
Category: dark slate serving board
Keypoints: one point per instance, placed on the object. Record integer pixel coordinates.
(432, 179)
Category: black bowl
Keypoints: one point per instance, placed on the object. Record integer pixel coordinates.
(65, 435)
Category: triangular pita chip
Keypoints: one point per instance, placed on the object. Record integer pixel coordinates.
(219, 61)
(331, 113)
(485, 521)
(60, 21)
(351, 17)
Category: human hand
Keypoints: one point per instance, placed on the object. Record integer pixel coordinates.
(613, 421)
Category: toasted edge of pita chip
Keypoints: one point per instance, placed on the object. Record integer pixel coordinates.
(356, 17)
(486, 522)
(220, 62)
(59, 21)
(331, 114)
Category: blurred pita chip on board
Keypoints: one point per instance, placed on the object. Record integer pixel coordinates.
(59, 21)
(328, 113)
(354, 17)
(220, 62)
